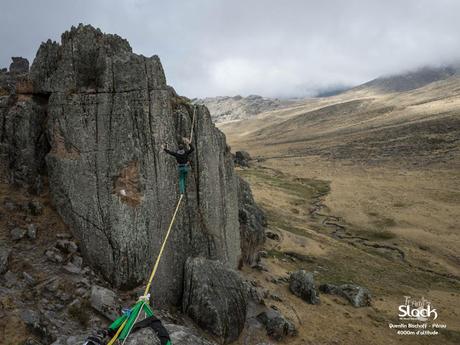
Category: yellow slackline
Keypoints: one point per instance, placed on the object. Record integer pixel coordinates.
(162, 247)
(115, 337)
(152, 275)
(157, 262)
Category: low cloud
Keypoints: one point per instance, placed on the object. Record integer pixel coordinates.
(267, 47)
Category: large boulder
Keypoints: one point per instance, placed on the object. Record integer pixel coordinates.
(109, 111)
(105, 302)
(215, 298)
(242, 158)
(181, 335)
(142, 337)
(252, 223)
(358, 296)
(277, 326)
(302, 284)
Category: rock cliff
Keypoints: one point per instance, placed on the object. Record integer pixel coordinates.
(99, 114)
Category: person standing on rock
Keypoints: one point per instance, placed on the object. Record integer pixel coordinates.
(182, 158)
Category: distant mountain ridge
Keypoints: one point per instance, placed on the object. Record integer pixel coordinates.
(410, 80)
(225, 108)
(419, 126)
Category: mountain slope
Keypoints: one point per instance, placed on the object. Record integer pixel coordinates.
(225, 109)
(362, 124)
(384, 168)
(411, 80)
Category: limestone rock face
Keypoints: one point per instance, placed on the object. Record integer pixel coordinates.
(252, 223)
(109, 111)
(23, 143)
(215, 298)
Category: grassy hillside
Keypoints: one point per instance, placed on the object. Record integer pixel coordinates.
(421, 126)
(362, 187)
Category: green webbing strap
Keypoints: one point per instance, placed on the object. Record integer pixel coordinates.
(147, 310)
(131, 320)
(136, 309)
(118, 322)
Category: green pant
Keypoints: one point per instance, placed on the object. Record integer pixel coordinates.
(183, 170)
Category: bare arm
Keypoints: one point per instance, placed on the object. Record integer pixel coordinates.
(189, 144)
(165, 149)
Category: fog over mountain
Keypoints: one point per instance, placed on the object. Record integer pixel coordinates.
(271, 48)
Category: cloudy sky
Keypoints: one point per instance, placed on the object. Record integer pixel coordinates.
(267, 47)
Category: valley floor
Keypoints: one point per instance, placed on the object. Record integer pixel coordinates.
(362, 187)
(392, 230)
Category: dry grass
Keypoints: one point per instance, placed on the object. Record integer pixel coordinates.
(385, 166)
(303, 246)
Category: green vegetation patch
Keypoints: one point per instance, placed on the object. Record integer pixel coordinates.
(275, 220)
(303, 188)
(301, 192)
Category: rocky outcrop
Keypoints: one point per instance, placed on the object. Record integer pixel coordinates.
(19, 65)
(302, 284)
(215, 298)
(252, 223)
(91, 115)
(358, 296)
(23, 144)
(225, 109)
(277, 326)
(108, 111)
(242, 158)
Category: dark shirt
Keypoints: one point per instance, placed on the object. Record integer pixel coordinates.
(181, 155)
